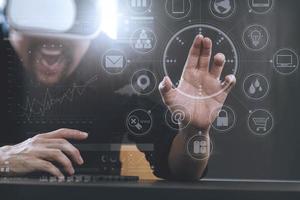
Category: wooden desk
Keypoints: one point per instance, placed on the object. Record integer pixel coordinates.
(135, 163)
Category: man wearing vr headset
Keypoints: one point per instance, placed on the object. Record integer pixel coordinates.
(52, 48)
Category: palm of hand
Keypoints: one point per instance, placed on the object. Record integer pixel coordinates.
(200, 91)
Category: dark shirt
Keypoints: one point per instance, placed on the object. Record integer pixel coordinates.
(89, 100)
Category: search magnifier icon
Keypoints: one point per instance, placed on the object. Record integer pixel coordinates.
(134, 121)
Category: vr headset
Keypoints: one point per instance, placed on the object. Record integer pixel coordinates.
(56, 18)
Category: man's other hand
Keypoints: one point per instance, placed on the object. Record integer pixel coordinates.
(48, 152)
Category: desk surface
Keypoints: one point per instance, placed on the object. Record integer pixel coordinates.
(206, 189)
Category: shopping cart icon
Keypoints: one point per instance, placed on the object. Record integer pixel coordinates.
(261, 123)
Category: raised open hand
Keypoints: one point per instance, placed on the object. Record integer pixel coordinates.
(200, 90)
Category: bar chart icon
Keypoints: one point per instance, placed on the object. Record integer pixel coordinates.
(139, 3)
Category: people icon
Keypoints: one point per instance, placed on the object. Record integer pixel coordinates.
(143, 42)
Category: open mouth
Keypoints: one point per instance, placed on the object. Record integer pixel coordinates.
(50, 59)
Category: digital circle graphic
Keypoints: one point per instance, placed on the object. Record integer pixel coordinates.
(260, 122)
(178, 9)
(256, 37)
(177, 49)
(285, 61)
(139, 122)
(260, 7)
(143, 82)
(198, 147)
(226, 119)
(222, 8)
(256, 86)
(139, 6)
(143, 40)
(114, 61)
(176, 115)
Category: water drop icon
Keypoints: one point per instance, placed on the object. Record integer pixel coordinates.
(257, 83)
(252, 89)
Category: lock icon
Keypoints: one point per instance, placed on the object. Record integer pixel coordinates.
(223, 119)
(200, 147)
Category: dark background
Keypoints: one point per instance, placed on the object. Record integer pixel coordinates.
(239, 153)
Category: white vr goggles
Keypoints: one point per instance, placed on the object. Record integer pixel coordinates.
(56, 18)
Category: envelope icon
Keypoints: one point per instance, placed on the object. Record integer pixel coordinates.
(114, 61)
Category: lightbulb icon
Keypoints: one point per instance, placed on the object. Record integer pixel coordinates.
(255, 37)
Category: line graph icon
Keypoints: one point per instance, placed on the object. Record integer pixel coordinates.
(40, 107)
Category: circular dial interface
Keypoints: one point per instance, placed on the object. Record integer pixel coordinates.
(178, 47)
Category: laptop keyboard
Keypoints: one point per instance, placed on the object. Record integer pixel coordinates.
(72, 179)
(89, 178)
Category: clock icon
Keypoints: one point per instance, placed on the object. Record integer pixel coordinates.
(177, 50)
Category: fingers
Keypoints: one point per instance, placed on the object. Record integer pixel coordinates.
(46, 166)
(165, 87)
(194, 53)
(66, 134)
(218, 66)
(205, 54)
(229, 83)
(55, 155)
(56, 148)
(67, 148)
